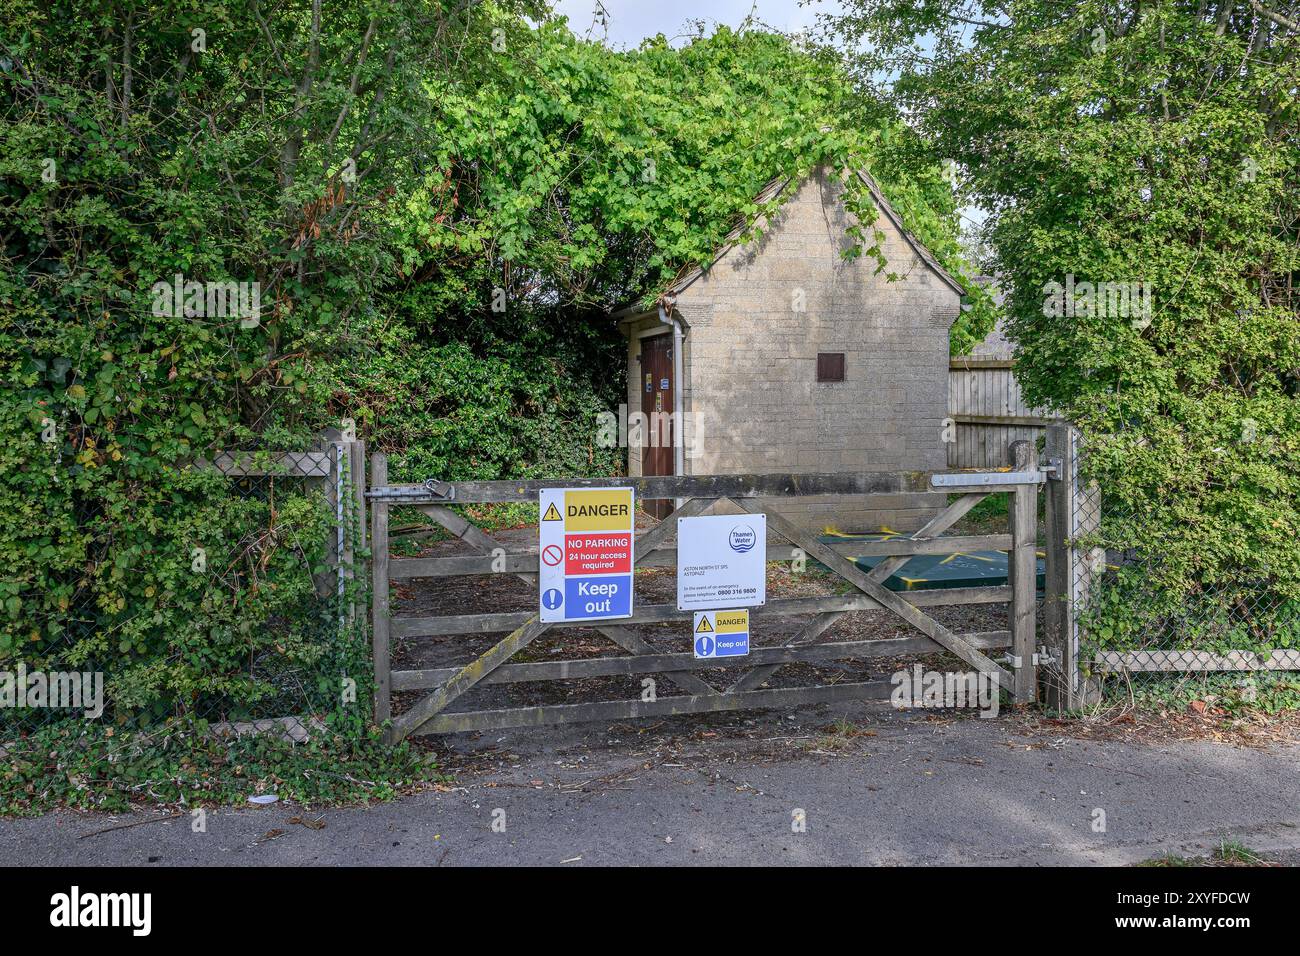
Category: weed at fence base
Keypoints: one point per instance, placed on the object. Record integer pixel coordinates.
(94, 767)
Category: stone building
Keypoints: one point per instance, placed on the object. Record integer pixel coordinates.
(786, 357)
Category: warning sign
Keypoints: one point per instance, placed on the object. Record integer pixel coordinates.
(586, 541)
(605, 510)
(722, 633)
(721, 561)
(732, 622)
(598, 554)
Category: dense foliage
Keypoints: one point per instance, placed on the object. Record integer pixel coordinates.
(427, 209)
(93, 767)
(142, 142)
(1139, 143)
(589, 177)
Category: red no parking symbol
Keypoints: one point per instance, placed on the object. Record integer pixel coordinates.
(552, 555)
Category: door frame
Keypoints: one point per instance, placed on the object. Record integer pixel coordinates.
(674, 394)
(679, 367)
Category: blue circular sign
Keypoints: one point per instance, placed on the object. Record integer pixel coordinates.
(742, 538)
(704, 646)
(552, 599)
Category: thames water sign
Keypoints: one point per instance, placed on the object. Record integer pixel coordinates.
(721, 562)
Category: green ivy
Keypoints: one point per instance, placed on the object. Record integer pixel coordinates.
(438, 231)
(93, 768)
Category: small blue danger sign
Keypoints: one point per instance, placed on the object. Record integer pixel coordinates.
(721, 633)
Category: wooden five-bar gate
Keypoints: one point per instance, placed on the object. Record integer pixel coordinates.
(693, 495)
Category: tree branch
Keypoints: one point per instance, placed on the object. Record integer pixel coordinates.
(355, 82)
(1292, 26)
(293, 144)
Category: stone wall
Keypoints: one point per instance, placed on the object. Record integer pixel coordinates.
(751, 362)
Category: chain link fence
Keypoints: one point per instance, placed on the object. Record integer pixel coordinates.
(1134, 620)
(286, 603)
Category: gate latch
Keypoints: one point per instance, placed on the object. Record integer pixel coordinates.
(439, 489)
(1015, 661)
(429, 488)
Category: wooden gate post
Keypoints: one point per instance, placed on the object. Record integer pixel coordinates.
(379, 590)
(356, 522)
(1023, 573)
(1061, 676)
(1072, 511)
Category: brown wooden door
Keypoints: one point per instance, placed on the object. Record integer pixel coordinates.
(657, 436)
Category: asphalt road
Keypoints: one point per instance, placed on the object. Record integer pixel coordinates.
(903, 788)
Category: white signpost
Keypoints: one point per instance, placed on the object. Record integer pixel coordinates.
(721, 562)
(585, 543)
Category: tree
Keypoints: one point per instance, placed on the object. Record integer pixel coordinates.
(1124, 148)
(251, 149)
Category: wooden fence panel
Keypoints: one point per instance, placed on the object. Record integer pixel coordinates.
(988, 412)
(430, 714)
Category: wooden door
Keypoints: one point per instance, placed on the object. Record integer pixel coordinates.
(657, 437)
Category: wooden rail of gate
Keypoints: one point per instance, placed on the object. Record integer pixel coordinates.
(447, 684)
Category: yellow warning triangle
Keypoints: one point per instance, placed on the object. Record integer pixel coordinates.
(552, 513)
(704, 626)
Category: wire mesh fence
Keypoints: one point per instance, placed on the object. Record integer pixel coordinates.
(279, 628)
(1136, 616)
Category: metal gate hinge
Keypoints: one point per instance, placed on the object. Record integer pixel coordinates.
(1051, 467)
(975, 479)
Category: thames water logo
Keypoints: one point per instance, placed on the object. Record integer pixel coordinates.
(75, 909)
(742, 538)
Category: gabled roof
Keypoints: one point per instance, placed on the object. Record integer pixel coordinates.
(923, 253)
(775, 188)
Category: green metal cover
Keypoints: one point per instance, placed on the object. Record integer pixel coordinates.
(960, 569)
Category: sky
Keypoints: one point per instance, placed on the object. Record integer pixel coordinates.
(631, 21)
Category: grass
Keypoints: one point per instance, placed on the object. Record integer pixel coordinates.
(991, 511)
(97, 768)
(1227, 853)
(843, 734)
